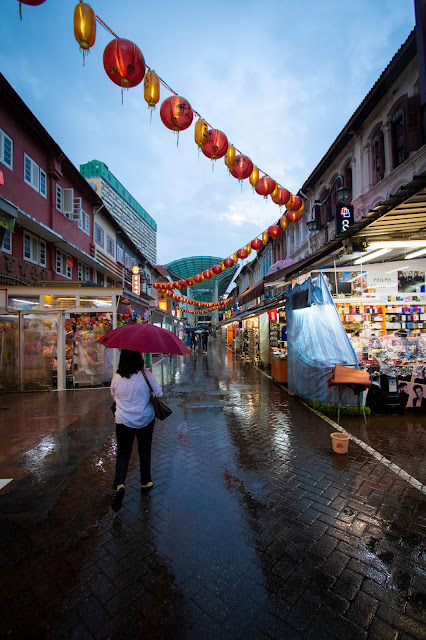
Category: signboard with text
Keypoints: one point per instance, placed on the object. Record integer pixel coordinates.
(344, 218)
(136, 284)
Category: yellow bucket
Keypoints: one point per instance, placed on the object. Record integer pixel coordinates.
(340, 442)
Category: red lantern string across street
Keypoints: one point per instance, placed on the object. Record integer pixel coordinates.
(124, 63)
(241, 254)
(217, 269)
(216, 145)
(294, 204)
(176, 113)
(293, 216)
(265, 186)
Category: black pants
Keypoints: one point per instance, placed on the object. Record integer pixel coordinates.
(125, 438)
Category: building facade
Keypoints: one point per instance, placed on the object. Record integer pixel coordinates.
(130, 215)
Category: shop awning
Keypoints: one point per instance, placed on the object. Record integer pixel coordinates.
(251, 294)
(276, 303)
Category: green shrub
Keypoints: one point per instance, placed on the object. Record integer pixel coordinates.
(332, 408)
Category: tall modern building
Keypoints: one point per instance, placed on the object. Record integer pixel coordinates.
(132, 217)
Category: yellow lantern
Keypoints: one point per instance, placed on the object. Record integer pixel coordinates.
(254, 177)
(248, 248)
(223, 266)
(84, 26)
(275, 191)
(230, 157)
(235, 257)
(201, 132)
(265, 237)
(283, 223)
(151, 89)
(301, 208)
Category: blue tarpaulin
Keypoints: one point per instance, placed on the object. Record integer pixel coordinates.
(317, 341)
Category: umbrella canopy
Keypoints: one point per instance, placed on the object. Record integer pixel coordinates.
(145, 338)
(190, 328)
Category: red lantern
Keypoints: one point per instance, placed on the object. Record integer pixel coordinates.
(216, 145)
(256, 244)
(241, 254)
(176, 113)
(274, 231)
(265, 186)
(189, 282)
(242, 167)
(198, 278)
(282, 196)
(124, 63)
(207, 274)
(182, 283)
(217, 269)
(169, 294)
(295, 204)
(175, 284)
(169, 285)
(292, 216)
(229, 262)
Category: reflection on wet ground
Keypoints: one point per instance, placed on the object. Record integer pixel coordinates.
(254, 528)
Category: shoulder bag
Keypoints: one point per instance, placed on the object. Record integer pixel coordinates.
(161, 410)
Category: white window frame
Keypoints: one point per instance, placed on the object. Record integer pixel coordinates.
(3, 138)
(7, 240)
(37, 176)
(34, 249)
(83, 272)
(61, 266)
(84, 222)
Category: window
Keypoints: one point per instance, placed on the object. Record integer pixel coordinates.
(99, 279)
(6, 149)
(83, 272)
(7, 242)
(120, 254)
(99, 235)
(398, 138)
(406, 129)
(34, 176)
(110, 245)
(34, 249)
(84, 222)
(127, 261)
(58, 198)
(378, 156)
(64, 264)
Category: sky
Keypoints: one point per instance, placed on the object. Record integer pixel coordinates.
(280, 78)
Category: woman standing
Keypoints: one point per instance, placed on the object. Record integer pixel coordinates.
(134, 416)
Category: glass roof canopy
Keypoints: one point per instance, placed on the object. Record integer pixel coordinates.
(188, 267)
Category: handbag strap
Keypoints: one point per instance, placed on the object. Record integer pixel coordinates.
(147, 382)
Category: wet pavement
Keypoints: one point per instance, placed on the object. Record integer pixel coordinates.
(254, 528)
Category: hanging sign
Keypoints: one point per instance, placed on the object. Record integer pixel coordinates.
(344, 218)
(136, 284)
(272, 313)
(70, 262)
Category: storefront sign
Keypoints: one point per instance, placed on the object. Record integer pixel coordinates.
(344, 218)
(272, 313)
(136, 284)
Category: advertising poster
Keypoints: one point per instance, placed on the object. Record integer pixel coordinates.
(411, 281)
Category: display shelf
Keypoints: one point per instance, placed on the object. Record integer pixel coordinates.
(381, 318)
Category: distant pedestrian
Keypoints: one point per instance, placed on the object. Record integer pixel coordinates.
(205, 338)
(188, 339)
(134, 416)
(193, 343)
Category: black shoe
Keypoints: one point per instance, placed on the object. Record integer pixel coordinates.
(118, 499)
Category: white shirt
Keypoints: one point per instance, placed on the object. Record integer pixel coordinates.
(132, 396)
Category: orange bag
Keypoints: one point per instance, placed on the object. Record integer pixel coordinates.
(347, 375)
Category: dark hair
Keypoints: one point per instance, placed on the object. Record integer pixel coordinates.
(130, 362)
(418, 386)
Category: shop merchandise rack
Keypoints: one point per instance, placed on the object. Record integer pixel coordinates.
(382, 318)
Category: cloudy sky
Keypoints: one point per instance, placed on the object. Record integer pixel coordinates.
(279, 77)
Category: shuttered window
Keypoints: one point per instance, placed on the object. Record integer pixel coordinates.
(34, 176)
(63, 264)
(6, 149)
(34, 249)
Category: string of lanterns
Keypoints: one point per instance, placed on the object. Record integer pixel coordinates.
(166, 288)
(125, 65)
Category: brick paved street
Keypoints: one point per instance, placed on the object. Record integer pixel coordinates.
(254, 528)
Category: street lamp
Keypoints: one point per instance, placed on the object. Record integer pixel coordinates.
(342, 194)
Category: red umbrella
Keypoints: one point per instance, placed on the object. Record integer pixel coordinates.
(146, 338)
